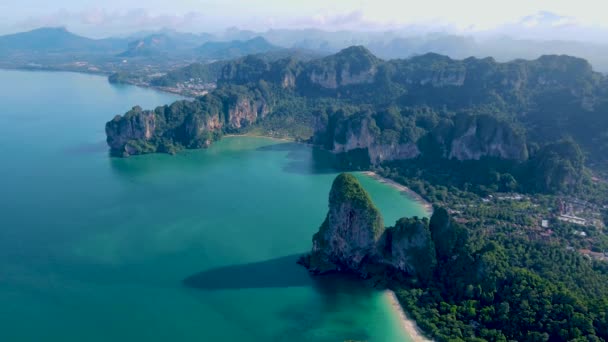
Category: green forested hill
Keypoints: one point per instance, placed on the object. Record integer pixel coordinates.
(456, 131)
(429, 106)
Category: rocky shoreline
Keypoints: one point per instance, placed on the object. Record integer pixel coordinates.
(353, 239)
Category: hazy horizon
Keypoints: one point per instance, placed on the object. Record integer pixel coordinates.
(543, 20)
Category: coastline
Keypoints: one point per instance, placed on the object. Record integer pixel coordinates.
(408, 324)
(258, 136)
(101, 74)
(428, 207)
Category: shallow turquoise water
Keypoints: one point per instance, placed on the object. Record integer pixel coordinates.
(95, 249)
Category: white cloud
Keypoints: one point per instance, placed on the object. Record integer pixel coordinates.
(551, 26)
(100, 22)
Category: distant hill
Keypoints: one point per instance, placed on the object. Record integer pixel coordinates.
(58, 40)
(404, 44)
(203, 73)
(153, 45)
(211, 72)
(237, 43)
(235, 48)
(165, 42)
(191, 40)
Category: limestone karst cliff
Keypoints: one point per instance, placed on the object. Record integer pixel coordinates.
(352, 66)
(135, 125)
(184, 124)
(408, 247)
(428, 105)
(350, 231)
(465, 137)
(353, 238)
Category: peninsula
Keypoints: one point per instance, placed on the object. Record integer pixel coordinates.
(446, 276)
(510, 154)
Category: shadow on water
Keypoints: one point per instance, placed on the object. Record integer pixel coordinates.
(280, 272)
(98, 147)
(276, 273)
(304, 159)
(335, 292)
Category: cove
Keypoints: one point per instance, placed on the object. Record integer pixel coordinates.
(197, 246)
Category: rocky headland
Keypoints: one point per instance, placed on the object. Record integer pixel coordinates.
(353, 238)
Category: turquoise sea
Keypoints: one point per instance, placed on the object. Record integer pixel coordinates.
(94, 248)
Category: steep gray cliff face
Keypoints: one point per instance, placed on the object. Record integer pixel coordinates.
(468, 138)
(379, 153)
(484, 136)
(350, 231)
(288, 81)
(352, 134)
(353, 239)
(198, 130)
(245, 112)
(135, 125)
(445, 78)
(184, 124)
(408, 247)
(335, 78)
(352, 66)
(326, 79)
(358, 135)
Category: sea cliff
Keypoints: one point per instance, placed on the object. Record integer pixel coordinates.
(375, 111)
(184, 124)
(353, 239)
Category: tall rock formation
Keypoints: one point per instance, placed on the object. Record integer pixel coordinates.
(352, 66)
(185, 124)
(465, 137)
(136, 124)
(353, 238)
(477, 136)
(447, 236)
(377, 111)
(408, 247)
(350, 231)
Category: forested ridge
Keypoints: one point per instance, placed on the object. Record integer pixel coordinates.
(459, 133)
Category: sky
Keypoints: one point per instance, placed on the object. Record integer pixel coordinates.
(550, 19)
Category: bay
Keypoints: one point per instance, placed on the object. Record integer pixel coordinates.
(94, 248)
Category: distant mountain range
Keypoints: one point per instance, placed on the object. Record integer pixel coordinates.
(235, 48)
(153, 45)
(236, 43)
(165, 44)
(157, 45)
(212, 72)
(58, 40)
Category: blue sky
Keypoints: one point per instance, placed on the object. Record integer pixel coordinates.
(108, 17)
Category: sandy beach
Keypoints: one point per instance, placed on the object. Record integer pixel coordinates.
(427, 206)
(409, 325)
(258, 136)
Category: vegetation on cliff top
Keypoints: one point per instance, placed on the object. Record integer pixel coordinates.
(346, 188)
(471, 109)
(469, 286)
(479, 127)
